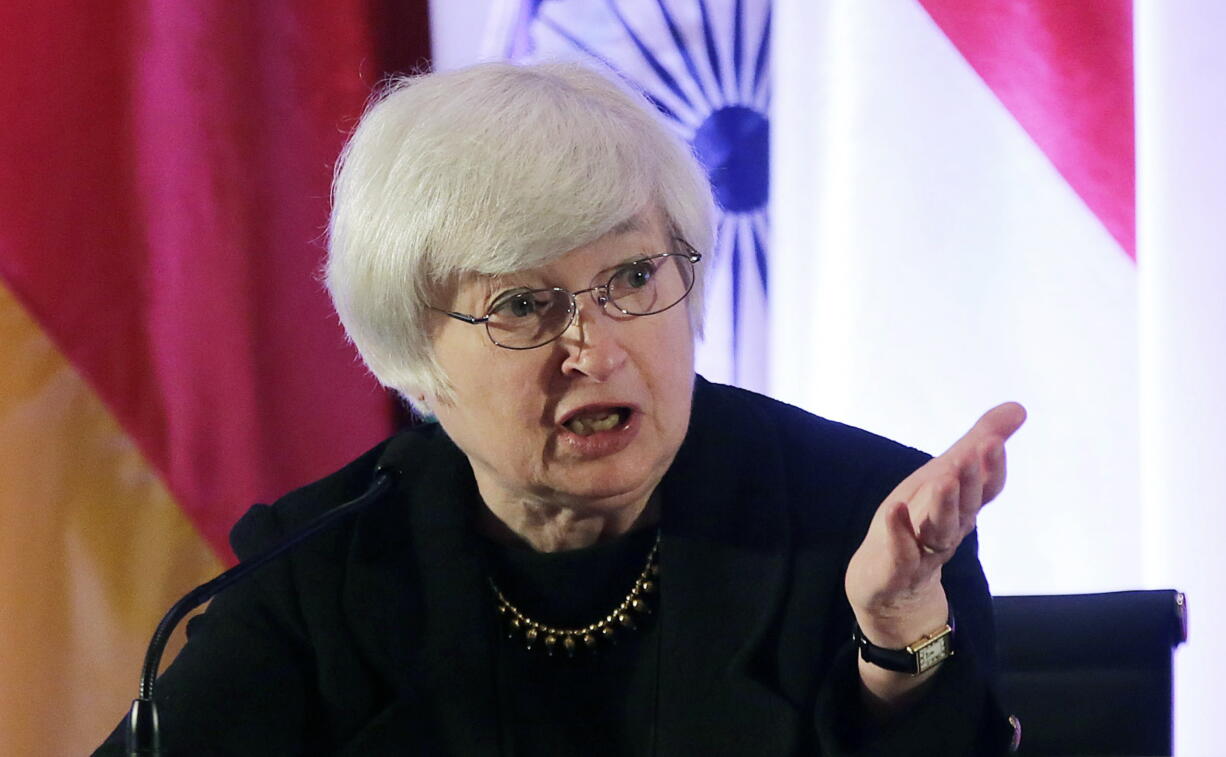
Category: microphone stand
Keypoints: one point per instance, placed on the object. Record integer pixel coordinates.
(142, 738)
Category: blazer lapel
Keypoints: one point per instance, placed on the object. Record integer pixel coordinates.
(723, 572)
(421, 565)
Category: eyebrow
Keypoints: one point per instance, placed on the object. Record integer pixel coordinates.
(500, 284)
(633, 223)
(493, 288)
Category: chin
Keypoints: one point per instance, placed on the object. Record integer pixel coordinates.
(606, 486)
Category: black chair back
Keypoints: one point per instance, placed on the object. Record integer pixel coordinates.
(1090, 674)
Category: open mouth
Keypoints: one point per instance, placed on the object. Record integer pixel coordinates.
(588, 422)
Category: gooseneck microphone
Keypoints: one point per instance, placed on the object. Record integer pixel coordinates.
(143, 739)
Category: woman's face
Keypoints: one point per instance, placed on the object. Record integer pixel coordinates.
(533, 422)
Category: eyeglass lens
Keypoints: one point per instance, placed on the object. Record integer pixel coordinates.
(531, 318)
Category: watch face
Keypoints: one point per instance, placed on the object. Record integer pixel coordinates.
(934, 651)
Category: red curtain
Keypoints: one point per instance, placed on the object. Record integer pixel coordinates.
(169, 355)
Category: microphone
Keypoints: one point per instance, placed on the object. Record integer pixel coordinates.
(142, 738)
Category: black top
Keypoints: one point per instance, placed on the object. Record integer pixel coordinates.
(375, 638)
(599, 702)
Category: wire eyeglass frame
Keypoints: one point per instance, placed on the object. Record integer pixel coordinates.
(600, 293)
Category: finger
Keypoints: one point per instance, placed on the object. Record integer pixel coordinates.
(994, 471)
(1003, 420)
(983, 442)
(902, 534)
(999, 423)
(970, 494)
(939, 529)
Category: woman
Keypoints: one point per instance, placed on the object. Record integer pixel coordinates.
(592, 551)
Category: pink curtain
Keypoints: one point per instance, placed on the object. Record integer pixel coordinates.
(163, 210)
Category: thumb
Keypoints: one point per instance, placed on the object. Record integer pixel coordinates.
(903, 545)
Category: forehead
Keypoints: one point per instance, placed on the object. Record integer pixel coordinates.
(642, 234)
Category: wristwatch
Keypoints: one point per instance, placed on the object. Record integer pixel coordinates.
(921, 655)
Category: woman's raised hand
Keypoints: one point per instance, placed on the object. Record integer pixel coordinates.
(894, 579)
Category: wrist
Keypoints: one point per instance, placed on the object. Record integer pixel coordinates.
(892, 676)
(910, 640)
(897, 625)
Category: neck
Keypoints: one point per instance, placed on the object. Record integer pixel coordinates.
(550, 527)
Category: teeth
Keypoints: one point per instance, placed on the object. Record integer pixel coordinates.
(605, 423)
(590, 425)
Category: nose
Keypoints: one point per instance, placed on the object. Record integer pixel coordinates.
(592, 343)
(600, 295)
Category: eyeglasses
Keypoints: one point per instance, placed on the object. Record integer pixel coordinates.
(523, 319)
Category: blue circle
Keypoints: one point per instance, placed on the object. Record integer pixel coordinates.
(733, 144)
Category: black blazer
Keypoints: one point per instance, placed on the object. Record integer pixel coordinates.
(378, 637)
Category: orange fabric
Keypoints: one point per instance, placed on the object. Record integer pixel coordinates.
(93, 550)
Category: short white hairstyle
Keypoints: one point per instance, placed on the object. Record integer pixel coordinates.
(491, 169)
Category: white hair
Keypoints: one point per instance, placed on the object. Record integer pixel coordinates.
(491, 169)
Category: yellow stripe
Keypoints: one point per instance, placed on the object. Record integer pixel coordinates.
(93, 550)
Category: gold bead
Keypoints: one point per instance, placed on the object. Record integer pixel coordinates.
(569, 638)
